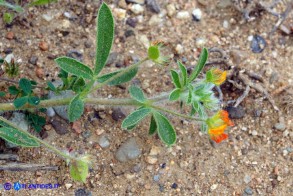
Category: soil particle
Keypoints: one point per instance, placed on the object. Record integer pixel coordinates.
(235, 112)
(33, 60)
(60, 126)
(43, 46)
(118, 114)
(128, 150)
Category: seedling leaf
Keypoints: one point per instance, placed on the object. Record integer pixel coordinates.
(136, 93)
(34, 100)
(74, 67)
(15, 135)
(200, 64)
(135, 117)
(13, 90)
(25, 85)
(165, 130)
(105, 37)
(75, 109)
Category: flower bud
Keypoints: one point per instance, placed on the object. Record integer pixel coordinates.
(216, 76)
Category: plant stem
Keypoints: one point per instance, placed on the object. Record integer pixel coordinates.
(64, 155)
(133, 66)
(176, 113)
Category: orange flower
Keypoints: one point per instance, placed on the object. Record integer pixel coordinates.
(216, 76)
(217, 125)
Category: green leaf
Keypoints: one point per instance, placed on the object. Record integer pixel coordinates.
(36, 121)
(8, 17)
(1, 61)
(137, 94)
(74, 67)
(153, 126)
(165, 130)
(183, 73)
(51, 86)
(19, 102)
(79, 170)
(75, 109)
(78, 85)
(200, 64)
(126, 77)
(105, 37)
(198, 107)
(25, 85)
(153, 52)
(15, 135)
(2, 94)
(175, 94)
(34, 100)
(16, 8)
(175, 78)
(135, 117)
(13, 90)
(42, 2)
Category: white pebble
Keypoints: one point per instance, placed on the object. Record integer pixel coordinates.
(179, 49)
(183, 15)
(171, 9)
(226, 24)
(285, 152)
(137, 9)
(200, 42)
(197, 14)
(254, 133)
(119, 13)
(214, 186)
(250, 38)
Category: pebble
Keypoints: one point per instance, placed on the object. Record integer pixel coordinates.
(136, 168)
(153, 6)
(254, 133)
(137, 9)
(214, 187)
(68, 186)
(247, 178)
(200, 42)
(119, 13)
(235, 112)
(118, 114)
(224, 3)
(129, 150)
(60, 110)
(161, 188)
(285, 152)
(75, 54)
(258, 44)
(131, 22)
(280, 126)
(43, 46)
(174, 186)
(151, 159)
(9, 35)
(47, 17)
(33, 60)
(129, 33)
(196, 14)
(104, 142)
(82, 192)
(156, 178)
(182, 15)
(112, 58)
(225, 24)
(135, 1)
(155, 20)
(88, 43)
(60, 127)
(144, 40)
(8, 50)
(86, 134)
(154, 151)
(179, 49)
(248, 191)
(171, 10)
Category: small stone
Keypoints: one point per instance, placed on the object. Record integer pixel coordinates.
(179, 49)
(155, 20)
(76, 126)
(285, 153)
(75, 54)
(47, 17)
(119, 13)
(248, 191)
(213, 187)
(200, 42)
(254, 133)
(129, 150)
(82, 192)
(112, 58)
(196, 14)
(131, 22)
(235, 112)
(88, 43)
(182, 15)
(144, 40)
(65, 24)
(257, 113)
(154, 151)
(280, 126)
(68, 186)
(135, 1)
(44, 134)
(40, 72)
(225, 24)
(86, 134)
(50, 112)
(100, 131)
(118, 114)
(161, 188)
(174, 186)
(33, 60)
(137, 9)
(247, 179)
(151, 159)
(258, 44)
(224, 3)
(244, 151)
(129, 33)
(9, 35)
(8, 50)
(60, 127)
(104, 142)
(43, 46)
(156, 178)
(171, 10)
(153, 6)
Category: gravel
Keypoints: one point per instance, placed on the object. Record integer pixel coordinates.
(129, 150)
(235, 112)
(104, 142)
